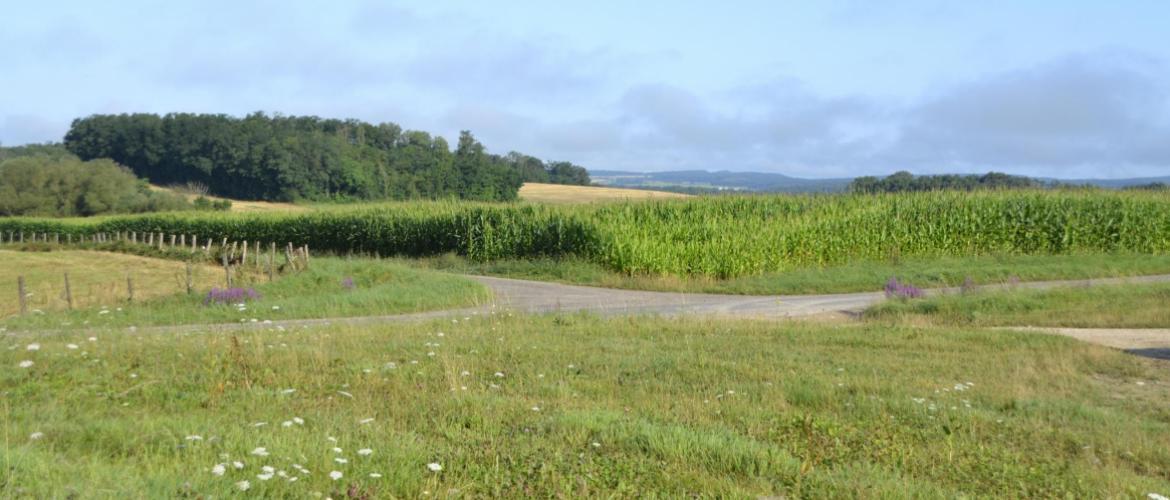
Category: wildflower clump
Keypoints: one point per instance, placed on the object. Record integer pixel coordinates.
(895, 289)
(220, 296)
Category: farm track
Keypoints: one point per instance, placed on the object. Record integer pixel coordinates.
(538, 297)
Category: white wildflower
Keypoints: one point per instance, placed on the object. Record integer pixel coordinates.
(264, 477)
(238, 464)
(434, 467)
(298, 420)
(335, 475)
(25, 364)
(36, 435)
(260, 452)
(365, 421)
(243, 485)
(33, 347)
(499, 374)
(194, 437)
(218, 469)
(71, 346)
(288, 391)
(375, 475)
(365, 452)
(340, 460)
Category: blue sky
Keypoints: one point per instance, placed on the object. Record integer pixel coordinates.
(813, 89)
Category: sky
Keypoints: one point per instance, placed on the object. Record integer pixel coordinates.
(1060, 88)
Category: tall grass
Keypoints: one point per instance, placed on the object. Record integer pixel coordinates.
(720, 237)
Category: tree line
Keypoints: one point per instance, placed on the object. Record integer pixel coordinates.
(288, 158)
(905, 181)
(42, 184)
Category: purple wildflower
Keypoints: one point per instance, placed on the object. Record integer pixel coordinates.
(230, 296)
(894, 289)
(348, 284)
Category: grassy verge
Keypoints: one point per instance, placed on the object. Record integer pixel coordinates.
(1129, 306)
(864, 276)
(578, 406)
(332, 287)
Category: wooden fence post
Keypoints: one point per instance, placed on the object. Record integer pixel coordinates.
(68, 292)
(23, 298)
(227, 269)
(130, 288)
(271, 261)
(190, 283)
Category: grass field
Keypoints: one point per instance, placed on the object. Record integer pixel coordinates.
(331, 287)
(1129, 306)
(96, 279)
(561, 193)
(862, 276)
(578, 406)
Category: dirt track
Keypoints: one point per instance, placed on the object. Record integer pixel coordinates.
(542, 297)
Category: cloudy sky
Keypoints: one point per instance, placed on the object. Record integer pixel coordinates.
(1063, 88)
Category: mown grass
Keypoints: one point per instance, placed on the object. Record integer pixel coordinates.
(583, 407)
(95, 279)
(1128, 306)
(378, 287)
(860, 276)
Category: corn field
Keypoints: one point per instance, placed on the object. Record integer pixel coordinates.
(719, 237)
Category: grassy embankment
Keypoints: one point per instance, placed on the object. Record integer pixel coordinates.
(578, 406)
(1128, 306)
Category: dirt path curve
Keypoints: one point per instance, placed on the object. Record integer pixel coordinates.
(543, 297)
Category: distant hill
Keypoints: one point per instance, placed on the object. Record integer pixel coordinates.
(1115, 183)
(718, 180)
(724, 180)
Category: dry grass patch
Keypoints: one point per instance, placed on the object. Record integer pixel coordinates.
(560, 193)
(96, 278)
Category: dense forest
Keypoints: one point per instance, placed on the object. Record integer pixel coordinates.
(905, 181)
(286, 158)
(37, 181)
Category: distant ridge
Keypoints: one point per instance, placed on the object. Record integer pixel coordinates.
(718, 180)
(725, 180)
